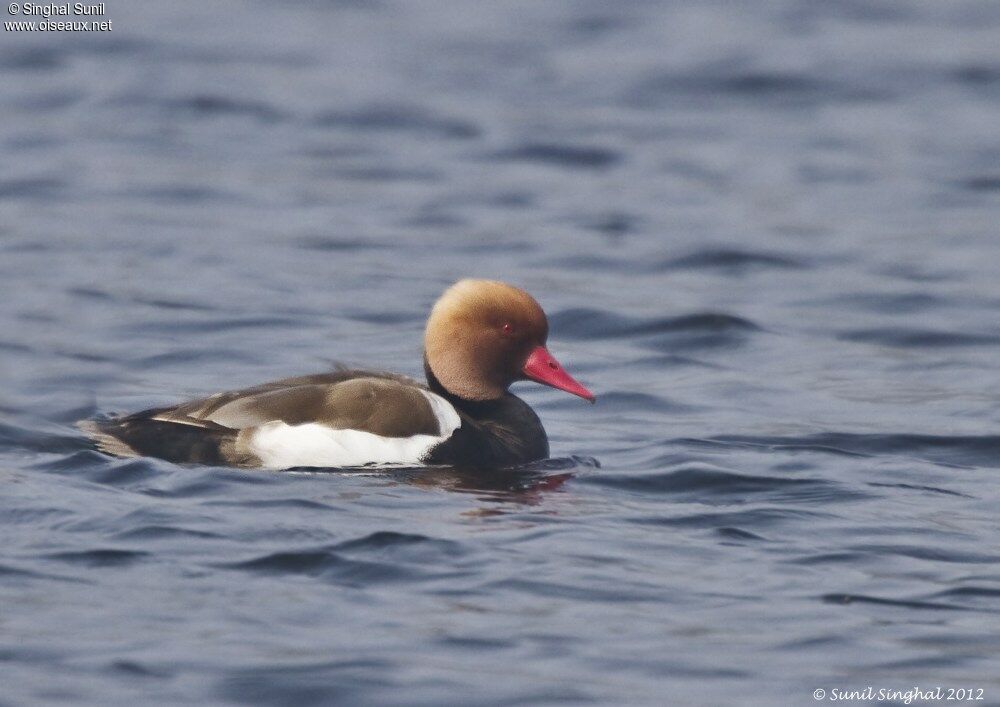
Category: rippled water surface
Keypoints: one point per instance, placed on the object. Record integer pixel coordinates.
(766, 236)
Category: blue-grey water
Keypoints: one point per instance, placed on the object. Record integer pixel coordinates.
(766, 235)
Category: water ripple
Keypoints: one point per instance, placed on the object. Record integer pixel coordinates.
(903, 337)
(399, 118)
(101, 557)
(847, 599)
(731, 261)
(567, 156)
(712, 484)
(587, 323)
(954, 449)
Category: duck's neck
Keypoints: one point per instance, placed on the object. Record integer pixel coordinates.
(471, 406)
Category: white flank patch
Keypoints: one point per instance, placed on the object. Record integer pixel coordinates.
(281, 446)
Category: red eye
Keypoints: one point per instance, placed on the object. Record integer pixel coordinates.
(507, 329)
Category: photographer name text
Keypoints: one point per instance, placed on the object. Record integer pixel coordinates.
(77, 9)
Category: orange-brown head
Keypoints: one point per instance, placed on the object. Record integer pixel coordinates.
(483, 335)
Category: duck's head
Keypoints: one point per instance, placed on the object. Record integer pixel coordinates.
(483, 335)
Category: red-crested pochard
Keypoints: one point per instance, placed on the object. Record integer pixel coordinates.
(481, 336)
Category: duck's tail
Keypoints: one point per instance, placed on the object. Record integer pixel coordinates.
(144, 435)
(101, 432)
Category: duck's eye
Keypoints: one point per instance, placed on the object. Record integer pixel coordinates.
(507, 329)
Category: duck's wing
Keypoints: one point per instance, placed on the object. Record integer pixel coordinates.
(381, 406)
(337, 419)
(277, 398)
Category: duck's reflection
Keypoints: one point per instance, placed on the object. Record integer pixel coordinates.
(519, 486)
(522, 485)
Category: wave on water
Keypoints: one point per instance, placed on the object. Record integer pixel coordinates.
(953, 450)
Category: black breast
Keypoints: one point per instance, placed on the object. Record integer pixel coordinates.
(494, 433)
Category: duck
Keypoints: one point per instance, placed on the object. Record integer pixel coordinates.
(481, 337)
